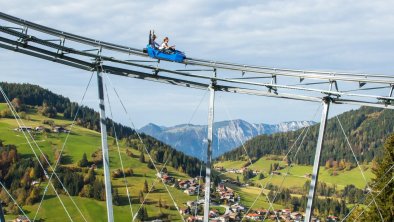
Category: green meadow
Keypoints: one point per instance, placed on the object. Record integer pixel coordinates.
(297, 174)
(80, 141)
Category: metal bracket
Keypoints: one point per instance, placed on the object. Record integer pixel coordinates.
(272, 88)
(24, 41)
(327, 99)
(61, 43)
(391, 91)
(386, 102)
(24, 31)
(361, 84)
(157, 69)
(333, 82)
(98, 62)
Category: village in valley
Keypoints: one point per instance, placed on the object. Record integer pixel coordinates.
(226, 204)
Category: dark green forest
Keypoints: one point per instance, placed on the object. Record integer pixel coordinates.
(367, 129)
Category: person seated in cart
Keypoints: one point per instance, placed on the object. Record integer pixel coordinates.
(165, 47)
(153, 42)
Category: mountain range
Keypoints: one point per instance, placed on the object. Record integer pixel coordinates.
(191, 139)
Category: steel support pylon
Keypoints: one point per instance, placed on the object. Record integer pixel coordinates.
(209, 151)
(316, 163)
(1, 212)
(104, 147)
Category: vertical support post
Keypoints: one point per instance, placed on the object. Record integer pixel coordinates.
(104, 147)
(209, 151)
(2, 219)
(316, 163)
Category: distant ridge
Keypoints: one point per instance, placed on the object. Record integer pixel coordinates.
(366, 128)
(190, 138)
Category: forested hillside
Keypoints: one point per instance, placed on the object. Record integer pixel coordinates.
(51, 104)
(48, 118)
(367, 129)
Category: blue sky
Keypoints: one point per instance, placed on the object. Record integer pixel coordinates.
(333, 35)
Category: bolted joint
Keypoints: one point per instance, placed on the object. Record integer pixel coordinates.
(156, 71)
(386, 102)
(213, 83)
(98, 64)
(328, 99)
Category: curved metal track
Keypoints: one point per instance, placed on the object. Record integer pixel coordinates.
(208, 63)
(65, 55)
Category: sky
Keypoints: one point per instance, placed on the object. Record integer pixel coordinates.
(337, 35)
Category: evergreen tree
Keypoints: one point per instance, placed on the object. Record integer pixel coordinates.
(146, 187)
(142, 157)
(84, 161)
(160, 203)
(384, 184)
(116, 197)
(145, 214)
(90, 177)
(98, 190)
(142, 214)
(150, 165)
(141, 196)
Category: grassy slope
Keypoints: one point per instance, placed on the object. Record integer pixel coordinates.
(296, 177)
(81, 141)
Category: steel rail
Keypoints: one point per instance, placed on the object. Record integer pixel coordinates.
(71, 50)
(111, 59)
(305, 74)
(70, 36)
(289, 70)
(46, 57)
(54, 56)
(363, 103)
(231, 89)
(80, 64)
